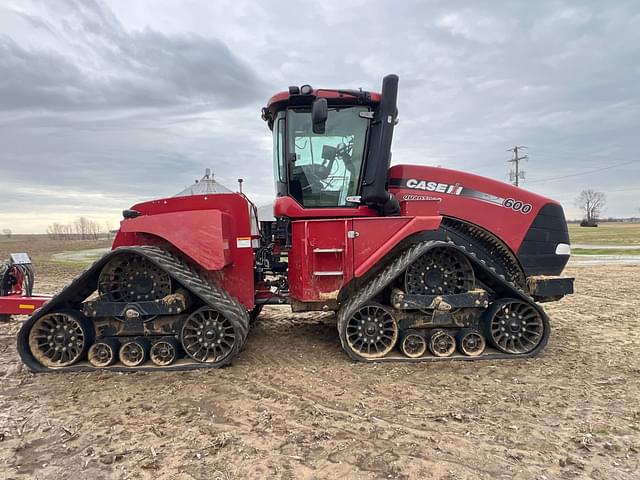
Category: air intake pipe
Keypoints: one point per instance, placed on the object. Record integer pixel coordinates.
(374, 186)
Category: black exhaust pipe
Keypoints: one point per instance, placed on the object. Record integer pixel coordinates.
(374, 185)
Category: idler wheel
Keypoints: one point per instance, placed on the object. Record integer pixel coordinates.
(514, 326)
(103, 353)
(371, 332)
(440, 271)
(208, 336)
(442, 344)
(164, 352)
(413, 344)
(471, 342)
(133, 353)
(132, 278)
(60, 339)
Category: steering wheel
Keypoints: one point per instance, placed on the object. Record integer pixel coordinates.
(315, 175)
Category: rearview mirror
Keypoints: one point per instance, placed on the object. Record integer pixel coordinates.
(319, 114)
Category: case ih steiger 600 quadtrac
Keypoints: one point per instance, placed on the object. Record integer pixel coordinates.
(419, 263)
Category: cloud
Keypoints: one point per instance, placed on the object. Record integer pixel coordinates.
(98, 64)
(469, 25)
(117, 101)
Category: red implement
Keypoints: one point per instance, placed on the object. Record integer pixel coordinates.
(18, 304)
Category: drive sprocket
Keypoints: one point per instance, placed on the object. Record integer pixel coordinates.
(440, 271)
(131, 278)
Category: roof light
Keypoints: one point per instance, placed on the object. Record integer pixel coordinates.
(306, 90)
(294, 90)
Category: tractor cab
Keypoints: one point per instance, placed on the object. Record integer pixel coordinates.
(331, 149)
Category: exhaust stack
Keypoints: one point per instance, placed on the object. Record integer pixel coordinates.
(374, 185)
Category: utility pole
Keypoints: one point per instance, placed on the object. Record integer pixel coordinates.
(516, 173)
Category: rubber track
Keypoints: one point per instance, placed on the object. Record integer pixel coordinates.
(188, 276)
(477, 238)
(481, 263)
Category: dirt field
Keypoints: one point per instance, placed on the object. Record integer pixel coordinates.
(294, 406)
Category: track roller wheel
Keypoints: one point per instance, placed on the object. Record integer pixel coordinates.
(371, 332)
(441, 343)
(133, 353)
(471, 342)
(210, 337)
(164, 352)
(514, 326)
(413, 345)
(60, 339)
(103, 353)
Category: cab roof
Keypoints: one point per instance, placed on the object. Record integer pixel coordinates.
(305, 95)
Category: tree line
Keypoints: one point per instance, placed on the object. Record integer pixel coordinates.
(82, 228)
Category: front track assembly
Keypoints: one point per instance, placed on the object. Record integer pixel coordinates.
(442, 300)
(152, 310)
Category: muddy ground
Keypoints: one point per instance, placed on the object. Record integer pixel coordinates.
(294, 406)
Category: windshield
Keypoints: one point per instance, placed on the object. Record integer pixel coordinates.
(326, 168)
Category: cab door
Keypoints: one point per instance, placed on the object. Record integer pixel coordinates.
(320, 259)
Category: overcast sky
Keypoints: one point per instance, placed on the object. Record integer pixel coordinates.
(106, 103)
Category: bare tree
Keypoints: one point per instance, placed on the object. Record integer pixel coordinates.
(67, 231)
(52, 231)
(94, 230)
(7, 232)
(81, 229)
(57, 231)
(591, 203)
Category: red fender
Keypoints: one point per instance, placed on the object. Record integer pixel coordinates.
(203, 235)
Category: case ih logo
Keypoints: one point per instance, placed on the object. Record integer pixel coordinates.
(454, 189)
(458, 189)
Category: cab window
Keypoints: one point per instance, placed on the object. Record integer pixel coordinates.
(324, 169)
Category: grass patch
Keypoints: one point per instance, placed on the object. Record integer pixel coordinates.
(606, 234)
(83, 257)
(604, 251)
(41, 249)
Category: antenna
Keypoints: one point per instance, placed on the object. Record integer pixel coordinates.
(240, 180)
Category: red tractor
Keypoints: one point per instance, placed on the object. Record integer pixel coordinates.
(419, 263)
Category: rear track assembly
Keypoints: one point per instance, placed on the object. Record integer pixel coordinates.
(196, 324)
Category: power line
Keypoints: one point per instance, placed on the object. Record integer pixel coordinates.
(633, 189)
(582, 173)
(516, 174)
(573, 193)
